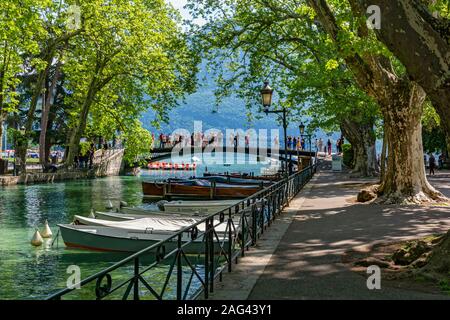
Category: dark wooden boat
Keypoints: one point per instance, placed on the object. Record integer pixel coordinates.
(276, 177)
(197, 189)
(227, 180)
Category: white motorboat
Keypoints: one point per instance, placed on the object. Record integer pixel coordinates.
(103, 238)
(117, 216)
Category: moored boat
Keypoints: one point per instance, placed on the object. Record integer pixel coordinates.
(200, 189)
(111, 239)
(230, 180)
(200, 207)
(246, 176)
(171, 166)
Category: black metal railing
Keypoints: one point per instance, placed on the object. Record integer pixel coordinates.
(185, 265)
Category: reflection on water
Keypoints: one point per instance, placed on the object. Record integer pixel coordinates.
(27, 272)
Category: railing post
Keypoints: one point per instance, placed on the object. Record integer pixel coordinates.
(230, 248)
(179, 270)
(254, 223)
(206, 259)
(243, 234)
(136, 279)
(211, 254)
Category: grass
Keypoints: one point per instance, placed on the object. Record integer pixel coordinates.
(445, 286)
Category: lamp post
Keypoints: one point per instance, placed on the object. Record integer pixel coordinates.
(302, 134)
(266, 95)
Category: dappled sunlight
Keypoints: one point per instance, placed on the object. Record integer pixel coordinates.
(309, 258)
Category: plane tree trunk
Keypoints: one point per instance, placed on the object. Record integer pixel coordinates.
(43, 155)
(362, 138)
(401, 102)
(421, 41)
(1, 131)
(405, 177)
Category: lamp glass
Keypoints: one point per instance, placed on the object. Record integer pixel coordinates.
(266, 95)
(302, 128)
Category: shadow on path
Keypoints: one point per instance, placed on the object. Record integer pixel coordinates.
(307, 262)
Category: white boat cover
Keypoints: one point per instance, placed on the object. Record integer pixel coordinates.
(148, 224)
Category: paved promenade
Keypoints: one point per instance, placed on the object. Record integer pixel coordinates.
(302, 258)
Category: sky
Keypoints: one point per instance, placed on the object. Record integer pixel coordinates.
(179, 4)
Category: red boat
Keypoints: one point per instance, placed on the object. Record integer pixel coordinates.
(171, 166)
(198, 189)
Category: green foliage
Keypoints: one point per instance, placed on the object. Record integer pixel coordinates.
(280, 41)
(137, 141)
(123, 58)
(84, 148)
(348, 155)
(433, 135)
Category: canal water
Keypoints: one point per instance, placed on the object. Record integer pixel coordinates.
(27, 272)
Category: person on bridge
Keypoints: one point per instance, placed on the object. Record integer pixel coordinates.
(329, 147)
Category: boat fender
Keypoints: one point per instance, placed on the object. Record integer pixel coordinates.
(92, 214)
(37, 239)
(160, 204)
(160, 253)
(47, 232)
(194, 233)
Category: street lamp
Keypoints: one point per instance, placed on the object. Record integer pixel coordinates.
(266, 95)
(302, 133)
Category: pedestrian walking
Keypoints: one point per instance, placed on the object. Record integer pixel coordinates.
(431, 163)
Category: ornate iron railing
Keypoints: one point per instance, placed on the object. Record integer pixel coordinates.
(191, 259)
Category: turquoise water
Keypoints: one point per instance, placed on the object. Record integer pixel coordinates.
(27, 272)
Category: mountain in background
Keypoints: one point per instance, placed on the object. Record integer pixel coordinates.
(230, 114)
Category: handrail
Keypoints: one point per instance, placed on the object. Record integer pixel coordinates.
(275, 197)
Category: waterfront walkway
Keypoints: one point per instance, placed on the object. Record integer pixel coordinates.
(301, 256)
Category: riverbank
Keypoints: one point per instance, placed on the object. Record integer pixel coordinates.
(104, 166)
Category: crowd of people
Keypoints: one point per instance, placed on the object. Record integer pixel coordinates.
(198, 139)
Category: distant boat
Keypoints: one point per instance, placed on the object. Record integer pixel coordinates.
(200, 189)
(172, 166)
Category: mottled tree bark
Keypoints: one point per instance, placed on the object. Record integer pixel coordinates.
(405, 178)
(46, 105)
(383, 155)
(362, 138)
(401, 102)
(421, 41)
(1, 131)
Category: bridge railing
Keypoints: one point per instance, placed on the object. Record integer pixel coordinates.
(185, 265)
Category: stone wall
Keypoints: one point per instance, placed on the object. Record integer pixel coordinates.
(110, 165)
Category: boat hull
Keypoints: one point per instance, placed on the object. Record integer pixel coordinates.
(84, 237)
